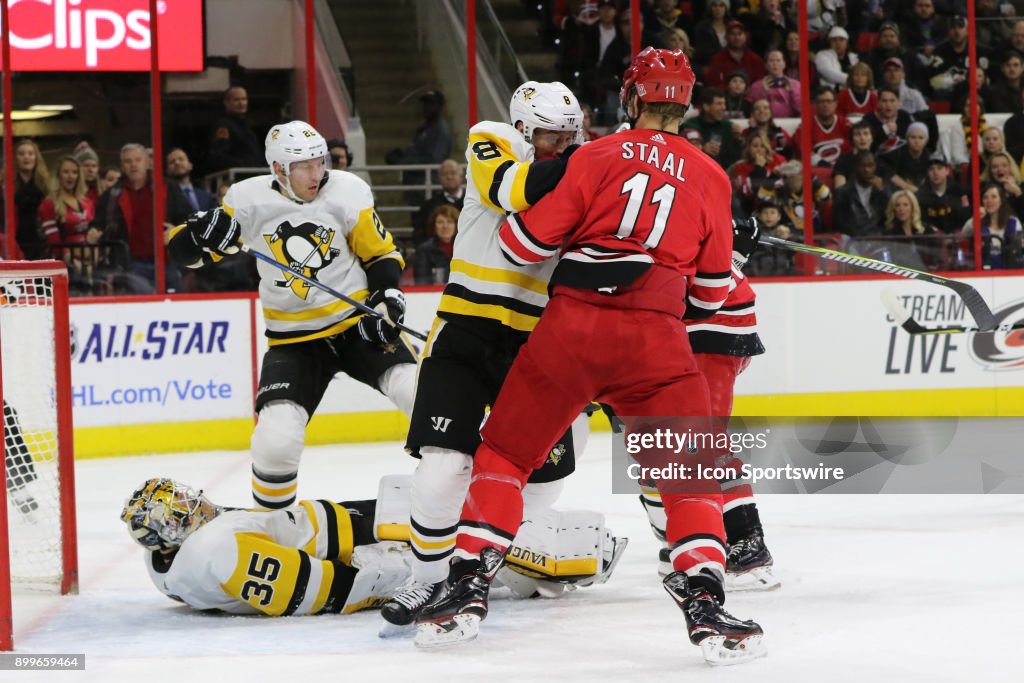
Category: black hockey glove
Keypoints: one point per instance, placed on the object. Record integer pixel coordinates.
(390, 303)
(745, 232)
(214, 231)
(569, 152)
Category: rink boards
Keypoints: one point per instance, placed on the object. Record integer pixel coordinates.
(165, 374)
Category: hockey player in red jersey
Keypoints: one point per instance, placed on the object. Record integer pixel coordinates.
(641, 221)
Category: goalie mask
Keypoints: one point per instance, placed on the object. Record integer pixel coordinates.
(162, 513)
(294, 141)
(550, 106)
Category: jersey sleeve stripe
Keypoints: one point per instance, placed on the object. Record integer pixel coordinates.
(337, 594)
(700, 280)
(707, 305)
(301, 583)
(494, 192)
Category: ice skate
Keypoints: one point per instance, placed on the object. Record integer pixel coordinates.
(454, 616)
(748, 565)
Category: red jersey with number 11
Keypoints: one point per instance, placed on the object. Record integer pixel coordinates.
(627, 201)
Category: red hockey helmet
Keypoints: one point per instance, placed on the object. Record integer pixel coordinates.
(659, 76)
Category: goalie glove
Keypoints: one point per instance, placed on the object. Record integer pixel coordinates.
(214, 231)
(390, 303)
(745, 232)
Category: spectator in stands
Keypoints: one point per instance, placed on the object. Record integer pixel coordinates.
(888, 122)
(944, 204)
(925, 29)
(125, 214)
(859, 208)
(432, 141)
(859, 96)
(434, 257)
(911, 99)
(1000, 230)
(834, 63)
(31, 185)
(179, 170)
(108, 179)
(909, 163)
(647, 37)
(768, 27)
(677, 39)
(789, 194)
(1005, 95)
(89, 162)
(734, 56)
(903, 215)
(992, 142)
(761, 121)
(956, 140)
(823, 15)
(830, 132)
(666, 15)
(782, 92)
(865, 15)
(862, 139)
(951, 61)
(719, 139)
(233, 143)
(1013, 130)
(889, 46)
(66, 212)
(1002, 170)
(794, 52)
(589, 134)
(754, 170)
(737, 104)
(222, 191)
(773, 221)
(606, 53)
(709, 35)
(453, 193)
(993, 30)
(341, 155)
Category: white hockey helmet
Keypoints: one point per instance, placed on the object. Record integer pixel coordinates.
(294, 141)
(162, 513)
(551, 106)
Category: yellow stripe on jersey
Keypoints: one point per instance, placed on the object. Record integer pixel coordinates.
(431, 545)
(266, 574)
(491, 158)
(273, 492)
(324, 311)
(499, 275)
(327, 517)
(325, 587)
(329, 332)
(517, 321)
(370, 241)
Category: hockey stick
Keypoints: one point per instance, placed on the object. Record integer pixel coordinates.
(319, 285)
(899, 312)
(980, 311)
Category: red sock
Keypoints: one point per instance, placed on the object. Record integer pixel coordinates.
(493, 509)
(696, 534)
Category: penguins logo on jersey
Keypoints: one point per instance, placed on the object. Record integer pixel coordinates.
(557, 453)
(305, 248)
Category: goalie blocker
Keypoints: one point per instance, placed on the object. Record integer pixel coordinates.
(551, 553)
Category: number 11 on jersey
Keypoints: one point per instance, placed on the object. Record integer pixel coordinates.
(636, 187)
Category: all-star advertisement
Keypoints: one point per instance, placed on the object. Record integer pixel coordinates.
(169, 361)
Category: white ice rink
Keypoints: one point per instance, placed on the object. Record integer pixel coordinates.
(875, 588)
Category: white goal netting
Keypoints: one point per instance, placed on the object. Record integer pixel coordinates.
(31, 446)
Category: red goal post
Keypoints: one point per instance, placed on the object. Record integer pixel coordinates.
(38, 546)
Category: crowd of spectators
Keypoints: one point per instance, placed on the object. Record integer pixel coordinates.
(881, 71)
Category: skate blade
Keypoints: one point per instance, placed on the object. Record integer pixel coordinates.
(389, 630)
(433, 635)
(729, 650)
(758, 579)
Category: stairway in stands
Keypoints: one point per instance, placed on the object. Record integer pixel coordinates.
(523, 27)
(390, 70)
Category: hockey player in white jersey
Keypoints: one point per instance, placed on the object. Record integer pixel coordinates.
(322, 223)
(318, 557)
(487, 310)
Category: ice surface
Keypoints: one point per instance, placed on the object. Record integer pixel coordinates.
(880, 588)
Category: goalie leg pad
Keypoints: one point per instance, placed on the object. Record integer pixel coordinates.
(439, 488)
(276, 447)
(383, 568)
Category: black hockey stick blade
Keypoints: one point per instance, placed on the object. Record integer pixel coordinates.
(980, 311)
(901, 315)
(330, 290)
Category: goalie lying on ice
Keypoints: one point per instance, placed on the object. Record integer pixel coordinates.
(323, 557)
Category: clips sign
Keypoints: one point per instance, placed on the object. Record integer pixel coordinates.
(104, 35)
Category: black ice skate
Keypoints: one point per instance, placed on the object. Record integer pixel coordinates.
(455, 614)
(723, 639)
(748, 565)
(399, 613)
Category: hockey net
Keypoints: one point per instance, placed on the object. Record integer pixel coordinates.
(35, 385)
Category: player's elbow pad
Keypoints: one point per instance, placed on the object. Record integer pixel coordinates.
(541, 178)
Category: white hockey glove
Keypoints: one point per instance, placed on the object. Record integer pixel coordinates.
(745, 232)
